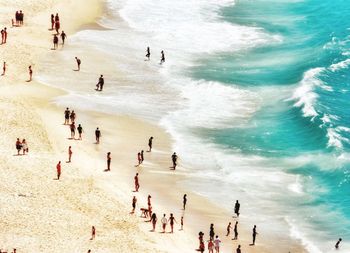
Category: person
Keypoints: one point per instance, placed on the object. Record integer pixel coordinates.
(57, 18)
(142, 157)
(2, 36)
(337, 244)
(217, 242)
(78, 62)
(139, 158)
(93, 233)
(137, 185)
(238, 250)
(162, 57)
(182, 223)
(149, 200)
(201, 246)
(235, 231)
(97, 135)
(237, 207)
(211, 231)
(57, 27)
(228, 228)
(72, 116)
(171, 222)
(21, 17)
(89, 251)
(148, 53)
(109, 159)
(210, 246)
(149, 211)
(72, 130)
(153, 221)
(150, 142)
(70, 154)
(3, 69)
(16, 18)
(55, 42)
(184, 201)
(52, 21)
(58, 168)
(164, 222)
(200, 238)
(101, 82)
(66, 116)
(24, 146)
(80, 131)
(30, 73)
(18, 146)
(63, 37)
(174, 159)
(5, 35)
(254, 234)
(134, 200)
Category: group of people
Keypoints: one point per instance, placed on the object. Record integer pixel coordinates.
(55, 23)
(63, 36)
(21, 145)
(19, 17)
(148, 55)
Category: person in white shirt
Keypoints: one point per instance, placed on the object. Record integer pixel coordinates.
(164, 222)
(217, 242)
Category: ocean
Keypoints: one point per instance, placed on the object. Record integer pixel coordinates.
(254, 93)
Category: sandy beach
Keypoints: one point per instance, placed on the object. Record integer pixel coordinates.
(40, 214)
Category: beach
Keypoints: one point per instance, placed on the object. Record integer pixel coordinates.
(40, 214)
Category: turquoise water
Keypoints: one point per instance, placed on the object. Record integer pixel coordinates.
(310, 66)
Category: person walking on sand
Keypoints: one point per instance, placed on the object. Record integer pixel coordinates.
(109, 159)
(58, 169)
(24, 146)
(72, 130)
(97, 135)
(3, 68)
(30, 73)
(217, 243)
(63, 37)
(338, 243)
(162, 57)
(55, 42)
(150, 143)
(171, 222)
(210, 246)
(134, 201)
(142, 157)
(72, 116)
(136, 180)
(52, 21)
(228, 229)
(235, 231)
(238, 250)
(174, 160)
(237, 207)
(70, 154)
(78, 62)
(101, 82)
(139, 158)
(93, 233)
(184, 202)
(66, 116)
(148, 54)
(164, 222)
(254, 234)
(211, 231)
(154, 221)
(80, 131)
(18, 146)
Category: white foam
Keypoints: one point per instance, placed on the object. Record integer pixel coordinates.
(340, 65)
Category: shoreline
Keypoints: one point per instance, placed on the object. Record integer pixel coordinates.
(129, 155)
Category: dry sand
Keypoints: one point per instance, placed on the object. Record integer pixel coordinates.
(40, 214)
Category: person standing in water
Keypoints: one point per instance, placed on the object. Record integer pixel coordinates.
(101, 82)
(55, 42)
(148, 54)
(174, 159)
(134, 201)
(150, 143)
(182, 223)
(184, 201)
(80, 131)
(254, 234)
(78, 63)
(66, 116)
(171, 222)
(338, 243)
(97, 135)
(109, 159)
(63, 37)
(162, 57)
(235, 231)
(142, 157)
(30, 70)
(237, 207)
(70, 154)
(72, 130)
(211, 232)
